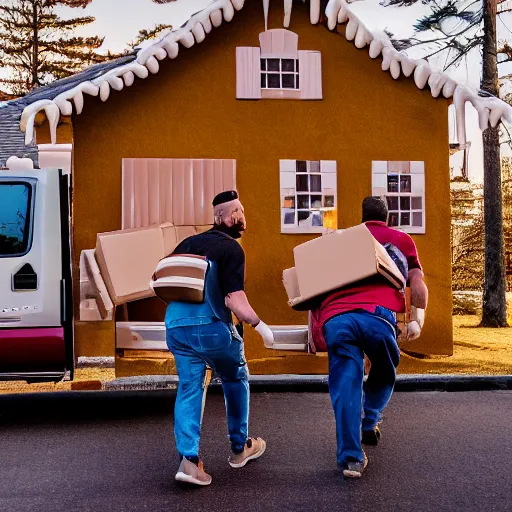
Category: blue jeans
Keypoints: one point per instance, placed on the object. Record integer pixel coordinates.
(349, 336)
(216, 345)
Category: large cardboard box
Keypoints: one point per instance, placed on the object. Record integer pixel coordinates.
(335, 260)
(128, 258)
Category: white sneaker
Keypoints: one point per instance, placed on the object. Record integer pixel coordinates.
(192, 474)
(253, 449)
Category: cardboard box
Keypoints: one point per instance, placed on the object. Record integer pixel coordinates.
(92, 286)
(291, 285)
(128, 258)
(89, 311)
(335, 260)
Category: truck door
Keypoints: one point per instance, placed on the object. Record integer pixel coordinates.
(36, 330)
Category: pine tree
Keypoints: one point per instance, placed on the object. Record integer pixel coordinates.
(37, 46)
(145, 34)
(457, 29)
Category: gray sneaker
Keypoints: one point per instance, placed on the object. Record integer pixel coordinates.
(354, 468)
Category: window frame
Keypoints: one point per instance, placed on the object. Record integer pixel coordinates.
(266, 72)
(410, 228)
(295, 228)
(29, 221)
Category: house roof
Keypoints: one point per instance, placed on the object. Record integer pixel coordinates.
(59, 97)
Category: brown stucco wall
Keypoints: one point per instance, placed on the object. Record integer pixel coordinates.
(189, 110)
(64, 132)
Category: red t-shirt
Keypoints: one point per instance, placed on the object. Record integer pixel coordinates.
(370, 293)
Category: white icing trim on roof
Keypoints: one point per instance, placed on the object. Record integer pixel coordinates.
(19, 164)
(490, 109)
(194, 31)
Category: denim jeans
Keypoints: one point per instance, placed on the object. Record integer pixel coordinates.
(349, 336)
(222, 349)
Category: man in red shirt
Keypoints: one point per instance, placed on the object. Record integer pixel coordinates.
(360, 319)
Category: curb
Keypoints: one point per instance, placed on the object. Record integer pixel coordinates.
(319, 383)
(96, 362)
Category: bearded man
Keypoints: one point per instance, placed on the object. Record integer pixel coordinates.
(204, 334)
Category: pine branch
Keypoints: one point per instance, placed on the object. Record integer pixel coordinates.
(144, 34)
(35, 52)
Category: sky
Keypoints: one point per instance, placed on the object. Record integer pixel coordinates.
(119, 25)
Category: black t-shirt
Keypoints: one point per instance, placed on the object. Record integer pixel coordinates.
(225, 251)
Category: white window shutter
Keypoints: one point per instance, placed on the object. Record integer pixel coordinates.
(310, 75)
(248, 79)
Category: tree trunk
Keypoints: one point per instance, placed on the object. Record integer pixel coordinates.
(494, 308)
(35, 46)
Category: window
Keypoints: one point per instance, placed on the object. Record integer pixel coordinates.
(15, 221)
(279, 73)
(402, 185)
(277, 69)
(308, 196)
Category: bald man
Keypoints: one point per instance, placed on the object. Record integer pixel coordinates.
(200, 334)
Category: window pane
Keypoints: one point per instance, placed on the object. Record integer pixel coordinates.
(315, 183)
(393, 219)
(303, 202)
(296, 81)
(302, 216)
(330, 219)
(405, 219)
(263, 81)
(405, 203)
(329, 201)
(405, 183)
(317, 219)
(314, 166)
(297, 65)
(301, 166)
(288, 81)
(273, 81)
(289, 202)
(417, 203)
(302, 183)
(417, 219)
(392, 183)
(316, 201)
(273, 64)
(263, 64)
(289, 218)
(287, 65)
(14, 218)
(392, 202)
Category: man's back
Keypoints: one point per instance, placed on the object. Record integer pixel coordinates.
(226, 275)
(372, 292)
(224, 251)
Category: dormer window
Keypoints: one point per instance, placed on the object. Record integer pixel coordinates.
(277, 69)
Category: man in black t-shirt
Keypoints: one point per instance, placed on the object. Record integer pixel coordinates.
(203, 334)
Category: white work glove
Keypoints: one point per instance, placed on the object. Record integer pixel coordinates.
(264, 331)
(414, 327)
(413, 330)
